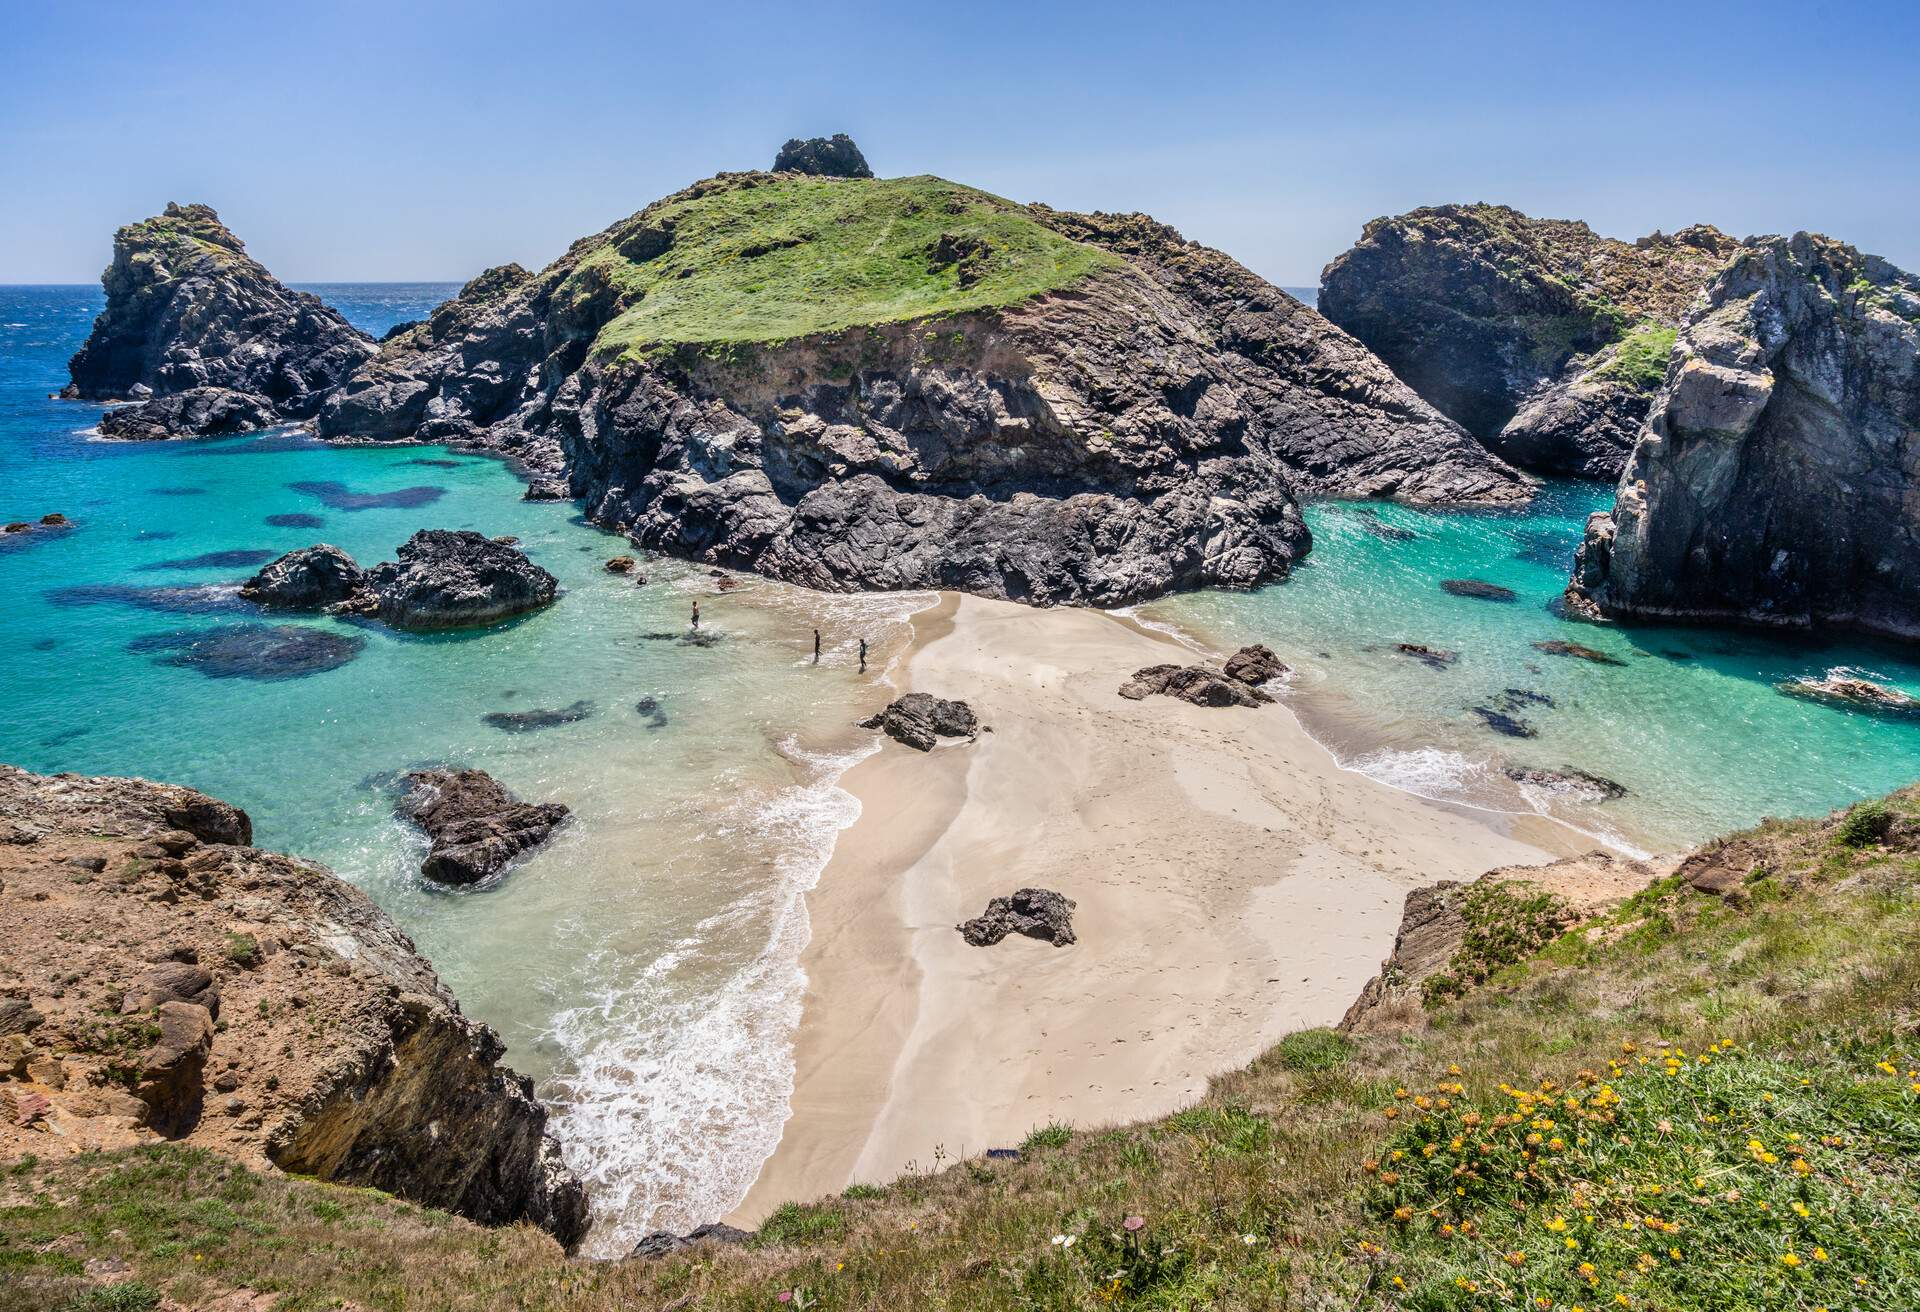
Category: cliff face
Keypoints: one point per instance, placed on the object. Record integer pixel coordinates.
(868, 383)
(1776, 480)
(189, 314)
(1545, 339)
(160, 979)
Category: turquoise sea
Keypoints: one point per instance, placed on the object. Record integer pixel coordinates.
(643, 967)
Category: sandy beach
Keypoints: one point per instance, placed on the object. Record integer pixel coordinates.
(1233, 884)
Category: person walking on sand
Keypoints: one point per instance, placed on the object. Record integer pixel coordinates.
(863, 655)
(816, 646)
(696, 616)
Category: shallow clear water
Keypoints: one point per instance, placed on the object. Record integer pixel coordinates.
(1690, 722)
(643, 967)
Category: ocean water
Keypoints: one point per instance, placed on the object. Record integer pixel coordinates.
(642, 967)
(1690, 721)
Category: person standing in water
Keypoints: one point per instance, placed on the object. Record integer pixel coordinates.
(696, 614)
(816, 646)
(863, 655)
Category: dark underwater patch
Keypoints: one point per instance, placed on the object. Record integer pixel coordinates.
(262, 652)
(295, 519)
(191, 599)
(529, 721)
(338, 496)
(216, 560)
(178, 491)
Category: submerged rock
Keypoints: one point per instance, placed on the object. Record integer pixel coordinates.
(350, 1059)
(339, 496)
(1431, 657)
(266, 653)
(920, 719)
(1545, 339)
(475, 825)
(1479, 589)
(212, 560)
(1560, 647)
(1036, 912)
(1771, 484)
(531, 721)
(1567, 779)
(204, 336)
(830, 157)
(306, 579)
(295, 519)
(1192, 683)
(446, 578)
(1146, 424)
(1840, 687)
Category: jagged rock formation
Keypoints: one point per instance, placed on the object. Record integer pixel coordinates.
(137, 915)
(306, 579)
(202, 333)
(1775, 483)
(453, 578)
(475, 825)
(1203, 686)
(1545, 339)
(920, 719)
(832, 157)
(1036, 912)
(862, 383)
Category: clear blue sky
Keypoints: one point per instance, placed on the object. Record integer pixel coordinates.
(346, 140)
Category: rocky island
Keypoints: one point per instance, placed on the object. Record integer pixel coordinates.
(861, 383)
(204, 336)
(441, 579)
(1774, 483)
(1547, 340)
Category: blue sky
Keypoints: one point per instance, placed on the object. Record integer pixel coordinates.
(359, 141)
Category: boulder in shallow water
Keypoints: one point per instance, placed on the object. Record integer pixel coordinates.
(447, 578)
(1431, 657)
(306, 579)
(1838, 687)
(1036, 912)
(474, 824)
(1557, 647)
(196, 412)
(1569, 780)
(622, 565)
(1479, 589)
(920, 719)
(1255, 664)
(1192, 683)
(528, 721)
(263, 652)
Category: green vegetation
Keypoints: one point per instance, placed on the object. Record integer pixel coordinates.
(1864, 825)
(800, 256)
(1690, 1103)
(1640, 358)
(1506, 923)
(243, 950)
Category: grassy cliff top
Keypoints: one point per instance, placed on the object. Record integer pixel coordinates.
(1691, 1103)
(789, 256)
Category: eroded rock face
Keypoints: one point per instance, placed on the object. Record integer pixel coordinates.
(1192, 683)
(338, 1053)
(1254, 665)
(1775, 480)
(202, 333)
(448, 578)
(832, 157)
(1036, 912)
(306, 579)
(1545, 339)
(920, 720)
(476, 826)
(1147, 430)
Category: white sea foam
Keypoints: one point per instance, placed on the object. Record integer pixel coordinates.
(1436, 773)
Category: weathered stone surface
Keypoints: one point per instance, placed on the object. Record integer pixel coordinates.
(1841, 687)
(1478, 589)
(920, 720)
(661, 1243)
(475, 825)
(1254, 665)
(1036, 912)
(831, 157)
(339, 1054)
(1192, 683)
(200, 411)
(202, 333)
(1568, 779)
(1519, 328)
(172, 981)
(1561, 647)
(1146, 430)
(446, 578)
(1774, 483)
(307, 579)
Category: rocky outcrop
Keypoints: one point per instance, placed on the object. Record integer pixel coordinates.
(1775, 481)
(1841, 687)
(829, 157)
(1036, 912)
(1144, 425)
(663, 1243)
(307, 579)
(136, 914)
(448, 578)
(1545, 339)
(1254, 665)
(205, 336)
(920, 720)
(476, 827)
(1203, 686)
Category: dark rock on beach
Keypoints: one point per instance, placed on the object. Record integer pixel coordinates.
(205, 337)
(532, 721)
(1479, 589)
(1036, 912)
(1773, 484)
(446, 578)
(474, 824)
(829, 157)
(1254, 665)
(1192, 683)
(920, 719)
(306, 579)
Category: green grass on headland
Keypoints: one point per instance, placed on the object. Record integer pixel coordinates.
(797, 256)
(1693, 1103)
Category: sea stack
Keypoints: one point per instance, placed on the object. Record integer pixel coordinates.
(205, 336)
(1774, 483)
(1547, 340)
(1027, 404)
